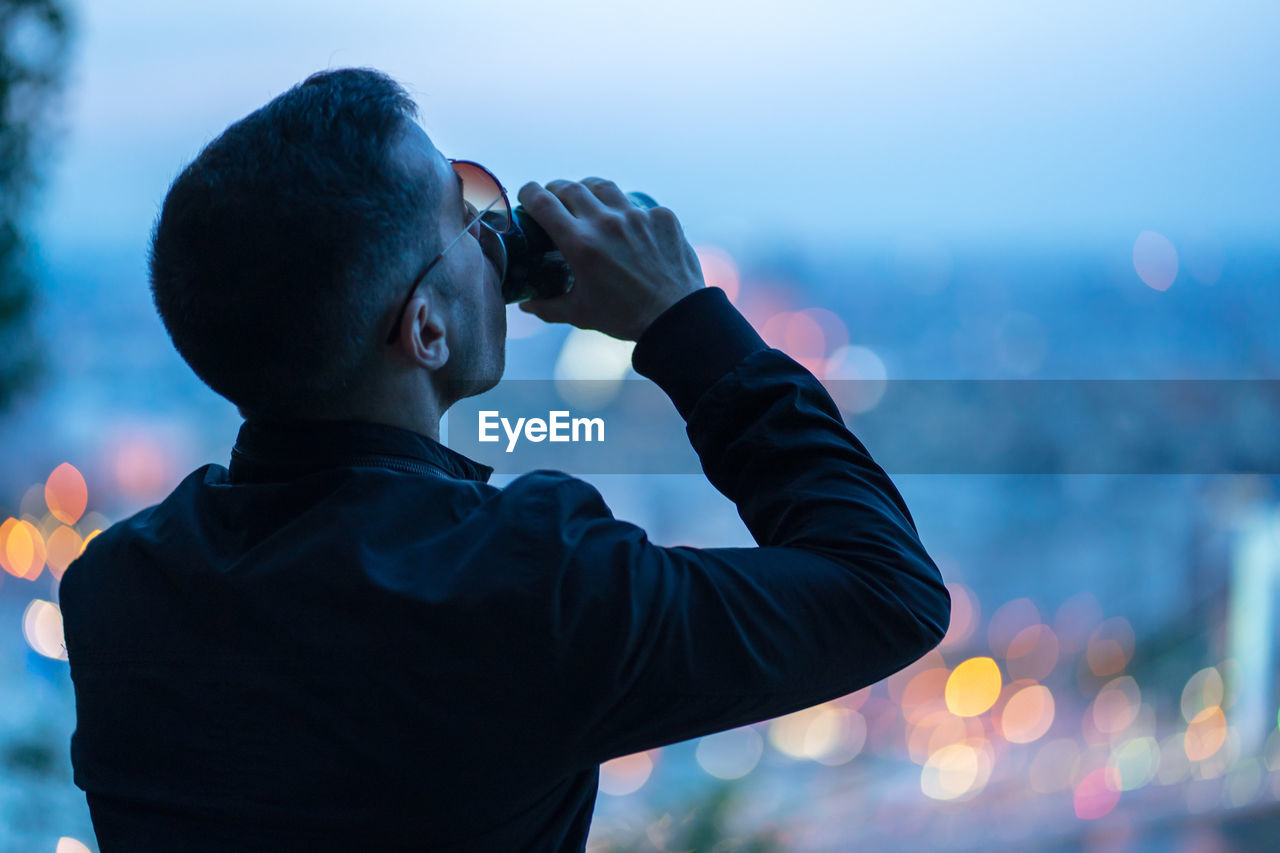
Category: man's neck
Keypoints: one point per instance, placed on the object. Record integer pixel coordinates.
(424, 420)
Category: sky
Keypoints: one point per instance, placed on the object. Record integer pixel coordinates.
(1000, 122)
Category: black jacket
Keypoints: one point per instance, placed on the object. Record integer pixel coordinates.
(349, 641)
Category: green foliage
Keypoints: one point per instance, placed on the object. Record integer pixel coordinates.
(701, 828)
(34, 37)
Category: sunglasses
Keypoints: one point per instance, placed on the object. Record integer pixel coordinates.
(484, 201)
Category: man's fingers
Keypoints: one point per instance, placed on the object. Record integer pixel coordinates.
(547, 210)
(607, 192)
(579, 200)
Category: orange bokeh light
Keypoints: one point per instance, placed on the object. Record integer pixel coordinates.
(974, 686)
(1116, 705)
(1206, 734)
(1110, 647)
(627, 774)
(897, 683)
(64, 545)
(923, 694)
(66, 494)
(946, 733)
(1027, 715)
(22, 549)
(5, 529)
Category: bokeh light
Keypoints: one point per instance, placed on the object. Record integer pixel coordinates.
(855, 700)
(590, 368)
(1203, 691)
(1075, 621)
(66, 494)
(939, 730)
(950, 772)
(1271, 751)
(33, 504)
(1110, 647)
(835, 334)
(7, 528)
(923, 694)
(965, 613)
(1206, 734)
(1053, 720)
(718, 270)
(1097, 794)
(933, 732)
(774, 329)
(1032, 653)
(730, 754)
(626, 774)
(1155, 260)
(850, 737)
(973, 687)
(64, 545)
(142, 467)
(1008, 621)
(42, 628)
(856, 379)
(1135, 762)
(896, 684)
(22, 549)
(1221, 761)
(827, 731)
(1116, 705)
(91, 520)
(67, 844)
(803, 337)
(1027, 715)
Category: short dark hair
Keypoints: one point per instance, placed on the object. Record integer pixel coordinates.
(297, 204)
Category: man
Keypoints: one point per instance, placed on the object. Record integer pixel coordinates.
(348, 640)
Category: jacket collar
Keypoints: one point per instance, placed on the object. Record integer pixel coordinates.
(282, 450)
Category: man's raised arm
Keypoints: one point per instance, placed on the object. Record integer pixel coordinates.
(652, 645)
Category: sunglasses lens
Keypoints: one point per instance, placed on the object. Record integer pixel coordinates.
(481, 191)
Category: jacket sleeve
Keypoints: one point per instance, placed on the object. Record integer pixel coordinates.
(651, 645)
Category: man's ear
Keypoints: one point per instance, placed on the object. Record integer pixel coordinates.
(422, 330)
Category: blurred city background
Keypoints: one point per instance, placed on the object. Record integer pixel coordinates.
(907, 190)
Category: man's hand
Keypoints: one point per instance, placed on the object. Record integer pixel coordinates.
(629, 264)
